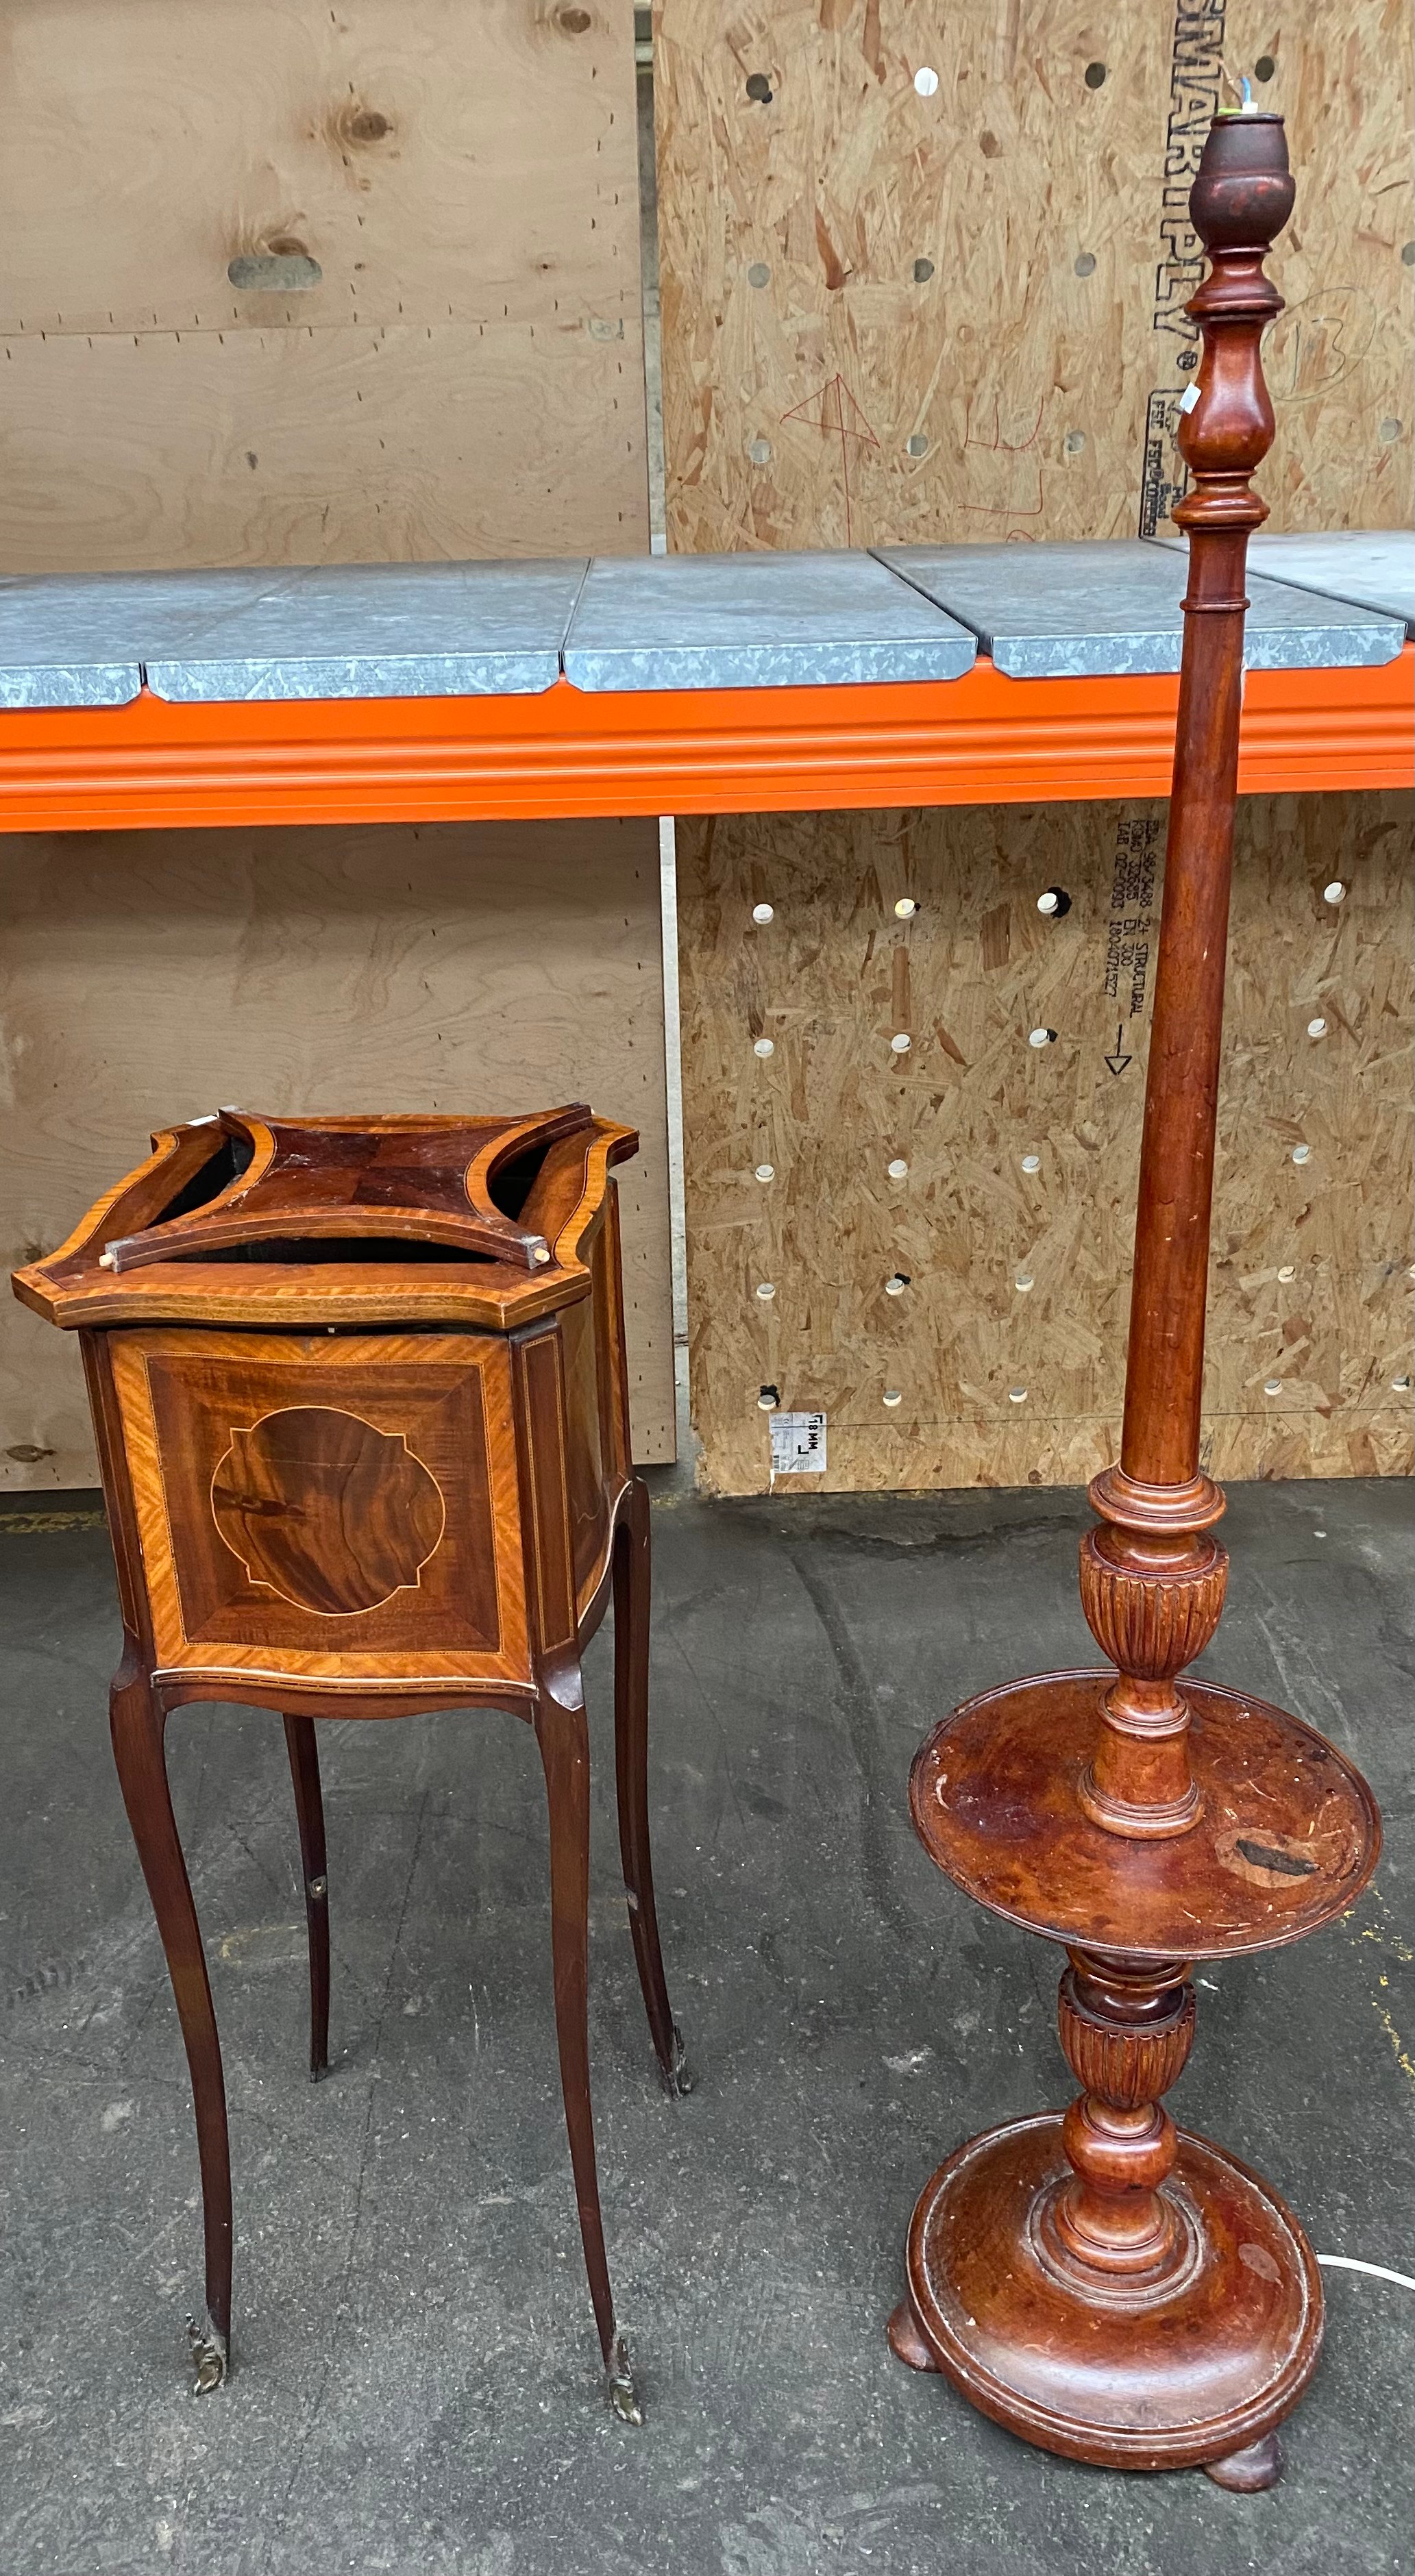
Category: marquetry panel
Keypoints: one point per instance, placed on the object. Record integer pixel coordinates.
(338, 1508)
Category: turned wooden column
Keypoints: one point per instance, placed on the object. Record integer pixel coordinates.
(1153, 1575)
(1109, 2286)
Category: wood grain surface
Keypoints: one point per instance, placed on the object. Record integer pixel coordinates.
(1310, 1286)
(463, 374)
(460, 968)
(895, 317)
(379, 1541)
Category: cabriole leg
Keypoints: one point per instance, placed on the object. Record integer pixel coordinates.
(632, 1574)
(138, 1725)
(563, 1737)
(303, 1750)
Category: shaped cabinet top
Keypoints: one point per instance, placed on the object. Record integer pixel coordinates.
(236, 1218)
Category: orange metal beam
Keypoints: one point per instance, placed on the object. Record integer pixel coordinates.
(982, 740)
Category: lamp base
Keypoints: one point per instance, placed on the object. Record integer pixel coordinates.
(1181, 2371)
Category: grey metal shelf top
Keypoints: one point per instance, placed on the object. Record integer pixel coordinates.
(1113, 605)
(1370, 567)
(329, 631)
(673, 622)
(757, 622)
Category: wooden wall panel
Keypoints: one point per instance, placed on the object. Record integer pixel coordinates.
(890, 317)
(466, 376)
(1001, 1383)
(151, 976)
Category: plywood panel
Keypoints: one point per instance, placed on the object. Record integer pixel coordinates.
(465, 373)
(1000, 1381)
(354, 445)
(894, 317)
(151, 976)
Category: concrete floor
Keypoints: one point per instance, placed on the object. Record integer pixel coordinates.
(415, 2386)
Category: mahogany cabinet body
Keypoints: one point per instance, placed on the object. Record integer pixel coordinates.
(360, 1395)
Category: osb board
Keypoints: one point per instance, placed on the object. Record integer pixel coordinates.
(890, 317)
(151, 976)
(835, 975)
(466, 377)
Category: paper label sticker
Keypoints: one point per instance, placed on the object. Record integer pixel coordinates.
(797, 1444)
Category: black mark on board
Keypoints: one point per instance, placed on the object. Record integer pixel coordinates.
(1195, 70)
(1130, 926)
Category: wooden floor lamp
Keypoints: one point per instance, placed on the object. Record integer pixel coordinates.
(1101, 2283)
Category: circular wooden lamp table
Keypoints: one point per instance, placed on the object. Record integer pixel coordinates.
(1103, 2284)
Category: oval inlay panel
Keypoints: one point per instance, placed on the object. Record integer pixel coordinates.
(330, 1513)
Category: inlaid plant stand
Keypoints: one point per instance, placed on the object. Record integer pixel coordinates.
(1110, 2287)
(360, 1393)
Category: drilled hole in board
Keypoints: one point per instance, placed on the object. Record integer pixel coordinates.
(274, 272)
(759, 88)
(1095, 75)
(923, 271)
(1085, 266)
(1264, 67)
(1054, 901)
